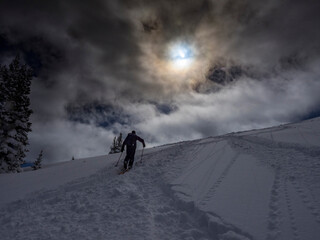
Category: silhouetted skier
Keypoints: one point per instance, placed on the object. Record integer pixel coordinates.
(131, 143)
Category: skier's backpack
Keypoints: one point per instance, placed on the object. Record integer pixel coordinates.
(131, 140)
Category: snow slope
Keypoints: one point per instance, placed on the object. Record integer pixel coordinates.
(261, 184)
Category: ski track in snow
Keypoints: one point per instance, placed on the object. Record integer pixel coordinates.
(274, 217)
(290, 173)
(292, 220)
(218, 182)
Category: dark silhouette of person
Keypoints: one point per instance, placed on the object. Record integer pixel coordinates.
(131, 143)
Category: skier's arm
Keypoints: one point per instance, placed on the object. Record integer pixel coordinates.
(142, 141)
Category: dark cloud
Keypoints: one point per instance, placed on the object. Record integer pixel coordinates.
(150, 25)
(224, 75)
(101, 115)
(281, 29)
(166, 108)
(104, 67)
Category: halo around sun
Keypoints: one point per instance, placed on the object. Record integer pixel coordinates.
(181, 55)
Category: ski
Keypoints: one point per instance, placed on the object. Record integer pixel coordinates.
(123, 171)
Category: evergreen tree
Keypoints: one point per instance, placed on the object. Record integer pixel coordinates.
(37, 163)
(116, 144)
(15, 83)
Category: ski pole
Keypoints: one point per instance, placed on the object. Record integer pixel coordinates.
(141, 155)
(118, 160)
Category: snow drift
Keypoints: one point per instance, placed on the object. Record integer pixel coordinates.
(260, 184)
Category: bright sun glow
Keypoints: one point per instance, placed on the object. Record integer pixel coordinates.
(181, 55)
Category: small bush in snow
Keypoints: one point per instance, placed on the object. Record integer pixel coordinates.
(37, 163)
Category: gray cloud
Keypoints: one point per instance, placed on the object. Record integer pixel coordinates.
(104, 67)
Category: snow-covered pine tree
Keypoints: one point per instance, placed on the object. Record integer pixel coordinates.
(116, 144)
(15, 83)
(37, 163)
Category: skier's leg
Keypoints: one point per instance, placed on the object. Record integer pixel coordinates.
(131, 157)
(125, 162)
(131, 161)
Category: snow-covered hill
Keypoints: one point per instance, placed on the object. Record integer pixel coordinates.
(261, 184)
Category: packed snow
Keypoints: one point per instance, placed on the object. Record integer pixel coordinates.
(260, 184)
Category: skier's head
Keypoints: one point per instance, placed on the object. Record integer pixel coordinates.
(133, 132)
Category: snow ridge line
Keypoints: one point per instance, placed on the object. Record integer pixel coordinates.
(260, 131)
(312, 151)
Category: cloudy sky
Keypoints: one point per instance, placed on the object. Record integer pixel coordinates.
(172, 70)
